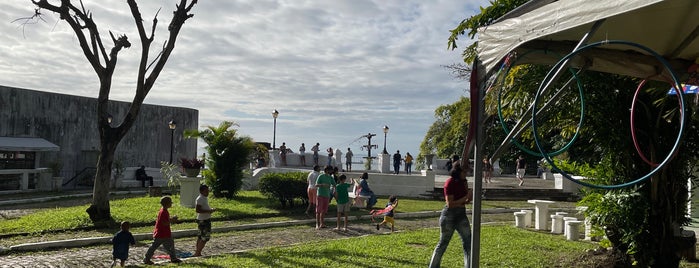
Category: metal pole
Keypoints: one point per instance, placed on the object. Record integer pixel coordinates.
(384, 143)
(172, 142)
(274, 135)
(477, 173)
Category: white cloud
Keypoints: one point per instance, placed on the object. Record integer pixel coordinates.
(335, 70)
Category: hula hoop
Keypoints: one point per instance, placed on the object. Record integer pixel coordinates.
(507, 130)
(677, 88)
(633, 126)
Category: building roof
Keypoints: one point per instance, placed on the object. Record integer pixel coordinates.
(26, 144)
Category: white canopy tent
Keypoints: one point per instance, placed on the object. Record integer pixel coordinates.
(666, 27)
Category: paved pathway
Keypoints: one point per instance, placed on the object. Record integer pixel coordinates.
(221, 243)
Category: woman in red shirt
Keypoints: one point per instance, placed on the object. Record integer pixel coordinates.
(453, 216)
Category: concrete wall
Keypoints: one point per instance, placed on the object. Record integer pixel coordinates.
(71, 123)
(417, 185)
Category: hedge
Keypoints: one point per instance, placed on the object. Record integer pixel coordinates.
(285, 187)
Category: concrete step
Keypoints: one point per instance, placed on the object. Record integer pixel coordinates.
(528, 194)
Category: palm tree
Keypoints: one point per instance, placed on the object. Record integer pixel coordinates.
(227, 156)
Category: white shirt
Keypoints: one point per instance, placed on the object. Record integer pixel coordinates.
(312, 177)
(203, 201)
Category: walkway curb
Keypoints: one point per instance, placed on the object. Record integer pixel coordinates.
(88, 241)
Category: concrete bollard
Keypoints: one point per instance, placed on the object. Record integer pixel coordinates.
(572, 230)
(528, 218)
(565, 220)
(519, 219)
(556, 224)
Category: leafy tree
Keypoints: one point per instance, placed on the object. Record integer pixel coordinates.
(445, 136)
(227, 156)
(103, 62)
(640, 221)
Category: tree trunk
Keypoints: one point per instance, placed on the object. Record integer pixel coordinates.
(99, 210)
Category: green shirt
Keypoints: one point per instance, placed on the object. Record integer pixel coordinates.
(324, 191)
(342, 192)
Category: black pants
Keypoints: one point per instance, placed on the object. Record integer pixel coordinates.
(144, 179)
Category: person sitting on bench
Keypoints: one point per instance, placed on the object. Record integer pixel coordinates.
(143, 177)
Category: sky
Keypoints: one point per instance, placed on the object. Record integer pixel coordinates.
(335, 70)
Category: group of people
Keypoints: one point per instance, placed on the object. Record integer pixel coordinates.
(284, 150)
(323, 186)
(397, 159)
(162, 234)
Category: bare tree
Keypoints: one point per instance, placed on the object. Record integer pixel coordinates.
(104, 63)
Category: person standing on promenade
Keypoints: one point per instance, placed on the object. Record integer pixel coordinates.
(323, 184)
(453, 216)
(330, 156)
(408, 163)
(396, 161)
(521, 168)
(311, 190)
(162, 235)
(282, 152)
(203, 218)
(348, 160)
(315, 150)
(302, 155)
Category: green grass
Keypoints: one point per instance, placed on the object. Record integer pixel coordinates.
(249, 206)
(410, 249)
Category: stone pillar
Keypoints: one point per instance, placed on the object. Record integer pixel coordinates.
(189, 190)
(275, 159)
(384, 163)
(428, 161)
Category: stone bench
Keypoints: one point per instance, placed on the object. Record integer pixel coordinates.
(358, 200)
(128, 180)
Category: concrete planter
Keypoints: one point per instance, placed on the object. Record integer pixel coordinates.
(189, 190)
(191, 172)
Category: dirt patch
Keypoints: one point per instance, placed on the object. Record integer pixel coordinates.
(597, 258)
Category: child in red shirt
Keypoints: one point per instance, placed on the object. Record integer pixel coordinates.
(162, 234)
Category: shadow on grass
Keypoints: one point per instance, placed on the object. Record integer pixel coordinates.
(277, 258)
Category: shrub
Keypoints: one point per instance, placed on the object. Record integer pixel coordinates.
(285, 187)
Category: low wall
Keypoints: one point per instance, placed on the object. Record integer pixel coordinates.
(566, 185)
(416, 185)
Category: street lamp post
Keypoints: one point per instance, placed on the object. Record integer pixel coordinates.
(385, 131)
(275, 113)
(172, 124)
